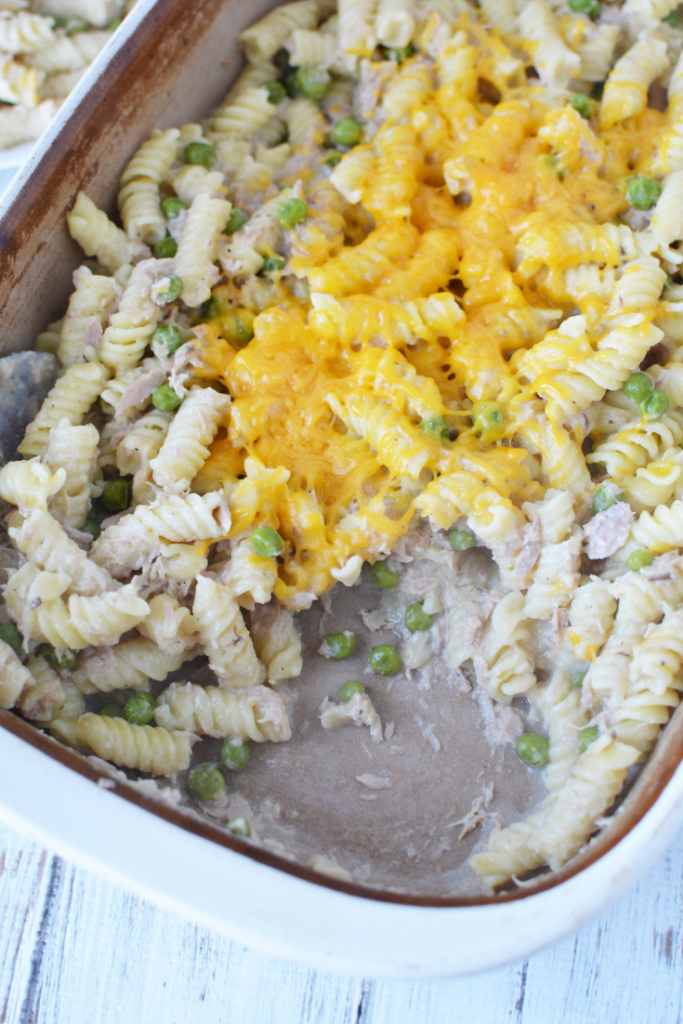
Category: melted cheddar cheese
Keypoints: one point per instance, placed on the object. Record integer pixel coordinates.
(439, 259)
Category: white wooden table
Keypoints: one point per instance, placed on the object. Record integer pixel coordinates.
(77, 950)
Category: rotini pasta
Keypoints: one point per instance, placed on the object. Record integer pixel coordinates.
(136, 450)
(136, 539)
(276, 642)
(224, 636)
(29, 485)
(143, 747)
(131, 328)
(94, 298)
(263, 39)
(73, 450)
(139, 200)
(185, 447)
(257, 714)
(100, 237)
(70, 399)
(198, 247)
(128, 666)
(627, 84)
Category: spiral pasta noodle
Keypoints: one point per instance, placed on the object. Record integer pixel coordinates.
(257, 714)
(70, 398)
(131, 746)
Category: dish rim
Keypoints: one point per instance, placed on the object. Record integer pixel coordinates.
(657, 776)
(646, 790)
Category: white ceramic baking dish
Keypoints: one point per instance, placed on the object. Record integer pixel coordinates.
(170, 63)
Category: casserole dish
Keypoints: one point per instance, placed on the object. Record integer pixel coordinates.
(101, 127)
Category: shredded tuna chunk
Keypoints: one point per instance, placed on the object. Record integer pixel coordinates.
(140, 389)
(531, 549)
(357, 711)
(608, 530)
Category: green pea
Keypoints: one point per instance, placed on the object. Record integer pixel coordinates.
(603, 499)
(578, 677)
(638, 386)
(237, 327)
(461, 539)
(116, 495)
(239, 827)
(655, 405)
(172, 206)
(165, 248)
(169, 337)
(236, 220)
(380, 575)
(97, 510)
(643, 193)
(172, 287)
(331, 158)
(384, 660)
(65, 659)
(416, 619)
(347, 132)
(11, 635)
(586, 737)
(74, 26)
(436, 429)
(165, 399)
(290, 80)
(582, 104)
(276, 92)
(639, 559)
(314, 82)
(591, 8)
(340, 645)
(113, 24)
(488, 419)
(201, 153)
(348, 690)
(111, 711)
(267, 542)
(91, 527)
(235, 756)
(207, 781)
(532, 749)
(139, 708)
(272, 263)
(291, 212)
(399, 53)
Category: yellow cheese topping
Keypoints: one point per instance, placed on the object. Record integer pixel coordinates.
(434, 272)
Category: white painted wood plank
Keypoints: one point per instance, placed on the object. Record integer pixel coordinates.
(76, 950)
(26, 873)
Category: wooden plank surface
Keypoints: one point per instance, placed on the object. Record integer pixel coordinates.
(77, 950)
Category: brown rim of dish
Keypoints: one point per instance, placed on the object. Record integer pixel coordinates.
(650, 783)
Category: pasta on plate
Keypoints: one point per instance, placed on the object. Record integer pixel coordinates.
(409, 297)
(46, 46)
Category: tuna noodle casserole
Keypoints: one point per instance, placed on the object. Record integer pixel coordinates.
(405, 313)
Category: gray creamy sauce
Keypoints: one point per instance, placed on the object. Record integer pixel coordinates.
(398, 828)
